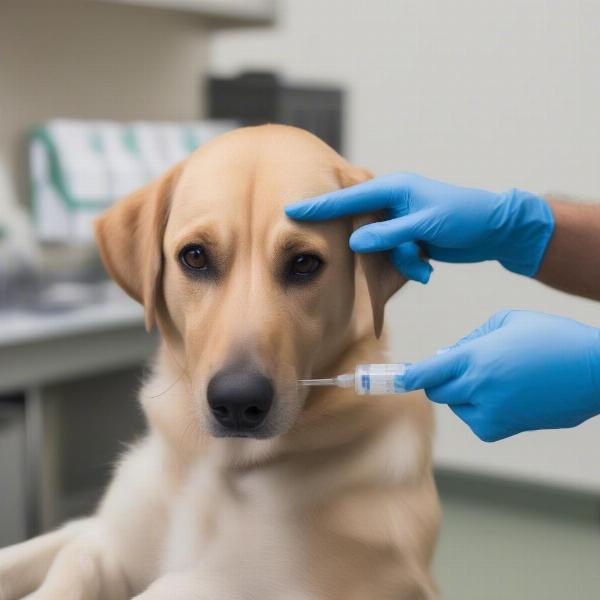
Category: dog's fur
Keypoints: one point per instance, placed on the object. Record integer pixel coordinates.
(338, 501)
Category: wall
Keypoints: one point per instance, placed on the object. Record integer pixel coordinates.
(76, 58)
(495, 94)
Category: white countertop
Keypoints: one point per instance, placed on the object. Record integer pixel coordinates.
(20, 326)
(43, 348)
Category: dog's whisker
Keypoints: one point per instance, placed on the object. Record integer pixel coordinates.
(167, 389)
(182, 368)
(190, 428)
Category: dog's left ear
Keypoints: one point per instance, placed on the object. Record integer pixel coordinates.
(383, 280)
(129, 237)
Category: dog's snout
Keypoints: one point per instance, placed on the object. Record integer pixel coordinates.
(239, 401)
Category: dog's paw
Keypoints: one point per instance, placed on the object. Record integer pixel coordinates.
(66, 564)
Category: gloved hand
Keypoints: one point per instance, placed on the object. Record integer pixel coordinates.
(520, 371)
(452, 224)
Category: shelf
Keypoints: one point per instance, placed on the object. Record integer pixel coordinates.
(226, 12)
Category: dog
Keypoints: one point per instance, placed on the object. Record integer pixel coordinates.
(246, 485)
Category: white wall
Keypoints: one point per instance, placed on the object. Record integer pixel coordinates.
(497, 94)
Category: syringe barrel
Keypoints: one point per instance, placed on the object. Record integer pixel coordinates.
(374, 379)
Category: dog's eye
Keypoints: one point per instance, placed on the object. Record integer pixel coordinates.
(304, 265)
(194, 257)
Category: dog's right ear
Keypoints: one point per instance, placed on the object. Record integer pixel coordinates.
(129, 237)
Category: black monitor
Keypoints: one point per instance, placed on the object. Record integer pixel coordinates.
(257, 98)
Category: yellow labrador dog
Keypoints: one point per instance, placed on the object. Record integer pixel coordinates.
(246, 486)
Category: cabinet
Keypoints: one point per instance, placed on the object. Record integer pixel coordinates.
(12, 472)
(68, 387)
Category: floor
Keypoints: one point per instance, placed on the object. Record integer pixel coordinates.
(530, 544)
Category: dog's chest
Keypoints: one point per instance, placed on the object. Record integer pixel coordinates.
(235, 528)
(294, 526)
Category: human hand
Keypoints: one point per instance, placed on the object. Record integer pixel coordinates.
(451, 224)
(520, 371)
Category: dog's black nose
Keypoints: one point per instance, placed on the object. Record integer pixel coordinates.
(239, 400)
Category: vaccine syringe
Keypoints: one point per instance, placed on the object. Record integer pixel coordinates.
(368, 379)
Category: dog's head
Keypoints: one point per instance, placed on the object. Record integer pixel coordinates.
(247, 300)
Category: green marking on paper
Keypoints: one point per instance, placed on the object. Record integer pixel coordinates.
(96, 142)
(189, 139)
(57, 176)
(130, 141)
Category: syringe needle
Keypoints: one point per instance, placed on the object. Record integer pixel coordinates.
(312, 382)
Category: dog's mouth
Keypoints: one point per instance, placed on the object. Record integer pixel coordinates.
(259, 433)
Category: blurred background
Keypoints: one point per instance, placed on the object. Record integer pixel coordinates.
(98, 96)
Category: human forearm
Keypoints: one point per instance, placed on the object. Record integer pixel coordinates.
(572, 259)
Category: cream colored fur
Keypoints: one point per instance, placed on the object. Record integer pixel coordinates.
(339, 504)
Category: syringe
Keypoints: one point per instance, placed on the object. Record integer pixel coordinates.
(368, 379)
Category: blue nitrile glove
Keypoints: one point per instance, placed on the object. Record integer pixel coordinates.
(452, 224)
(520, 371)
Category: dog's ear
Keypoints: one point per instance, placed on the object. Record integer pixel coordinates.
(383, 280)
(129, 236)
